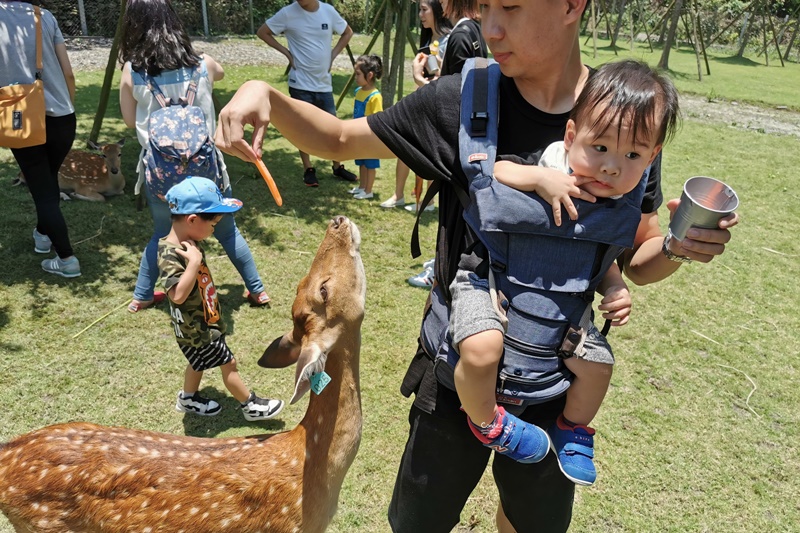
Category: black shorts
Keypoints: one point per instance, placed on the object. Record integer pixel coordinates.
(214, 354)
(443, 462)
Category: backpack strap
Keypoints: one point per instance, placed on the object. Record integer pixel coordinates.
(191, 91)
(153, 87)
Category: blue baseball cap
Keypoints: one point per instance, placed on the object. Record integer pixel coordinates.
(199, 195)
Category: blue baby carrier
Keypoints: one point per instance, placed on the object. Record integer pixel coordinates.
(544, 284)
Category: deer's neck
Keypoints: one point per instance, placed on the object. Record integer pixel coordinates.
(332, 422)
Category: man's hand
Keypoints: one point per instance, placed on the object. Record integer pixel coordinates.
(249, 106)
(702, 244)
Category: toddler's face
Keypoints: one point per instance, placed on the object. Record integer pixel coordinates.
(612, 158)
(200, 229)
(361, 79)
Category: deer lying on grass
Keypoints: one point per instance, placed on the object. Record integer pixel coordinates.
(84, 477)
(89, 175)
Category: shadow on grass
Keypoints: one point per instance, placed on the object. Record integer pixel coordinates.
(230, 417)
(739, 61)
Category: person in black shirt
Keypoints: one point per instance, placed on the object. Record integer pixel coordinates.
(537, 46)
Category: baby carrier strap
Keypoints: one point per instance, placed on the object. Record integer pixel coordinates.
(480, 80)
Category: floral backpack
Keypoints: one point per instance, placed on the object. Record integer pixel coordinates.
(180, 144)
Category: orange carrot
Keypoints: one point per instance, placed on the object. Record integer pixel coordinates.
(273, 188)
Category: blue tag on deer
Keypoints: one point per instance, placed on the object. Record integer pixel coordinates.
(319, 381)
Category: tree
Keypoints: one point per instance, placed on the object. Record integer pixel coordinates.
(663, 63)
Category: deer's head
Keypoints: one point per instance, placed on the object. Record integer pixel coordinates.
(111, 152)
(328, 308)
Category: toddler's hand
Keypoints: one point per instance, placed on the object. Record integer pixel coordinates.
(190, 252)
(616, 305)
(553, 186)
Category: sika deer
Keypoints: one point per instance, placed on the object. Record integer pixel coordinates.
(93, 176)
(84, 477)
(90, 176)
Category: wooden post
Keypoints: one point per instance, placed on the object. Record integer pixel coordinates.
(644, 18)
(774, 36)
(700, 36)
(594, 28)
(695, 44)
(105, 90)
(82, 15)
(204, 7)
(764, 33)
(252, 24)
(630, 18)
(372, 42)
(389, 88)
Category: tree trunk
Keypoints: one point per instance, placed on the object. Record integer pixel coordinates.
(791, 41)
(663, 63)
(743, 35)
(618, 25)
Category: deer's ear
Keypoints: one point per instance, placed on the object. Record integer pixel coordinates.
(281, 352)
(121, 142)
(93, 145)
(311, 361)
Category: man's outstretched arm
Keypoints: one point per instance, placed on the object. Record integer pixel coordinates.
(307, 127)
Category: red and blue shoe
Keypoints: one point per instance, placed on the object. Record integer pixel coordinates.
(574, 448)
(514, 438)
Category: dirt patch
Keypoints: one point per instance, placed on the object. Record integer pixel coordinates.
(92, 54)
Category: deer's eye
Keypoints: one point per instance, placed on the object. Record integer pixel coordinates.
(324, 292)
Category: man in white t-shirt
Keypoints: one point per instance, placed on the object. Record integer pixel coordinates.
(309, 26)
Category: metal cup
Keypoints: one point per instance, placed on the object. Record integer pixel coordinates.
(703, 203)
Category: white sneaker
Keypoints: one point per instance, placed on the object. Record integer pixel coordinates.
(41, 243)
(255, 408)
(393, 202)
(355, 190)
(424, 279)
(429, 263)
(413, 208)
(363, 196)
(196, 404)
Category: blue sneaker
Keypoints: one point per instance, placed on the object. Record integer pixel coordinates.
(519, 440)
(69, 268)
(574, 448)
(41, 243)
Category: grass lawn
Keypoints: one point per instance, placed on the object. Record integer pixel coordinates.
(699, 430)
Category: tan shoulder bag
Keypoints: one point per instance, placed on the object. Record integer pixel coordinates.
(22, 111)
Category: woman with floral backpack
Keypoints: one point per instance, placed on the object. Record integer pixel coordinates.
(160, 65)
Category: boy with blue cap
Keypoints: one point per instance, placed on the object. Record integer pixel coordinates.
(197, 205)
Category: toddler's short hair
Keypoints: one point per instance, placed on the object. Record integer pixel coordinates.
(630, 90)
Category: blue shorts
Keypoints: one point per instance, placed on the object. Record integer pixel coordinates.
(369, 163)
(323, 101)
